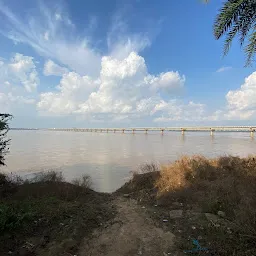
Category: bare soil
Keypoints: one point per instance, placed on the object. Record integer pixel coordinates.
(131, 232)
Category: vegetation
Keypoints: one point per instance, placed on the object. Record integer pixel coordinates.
(237, 17)
(48, 216)
(216, 199)
(4, 128)
(197, 185)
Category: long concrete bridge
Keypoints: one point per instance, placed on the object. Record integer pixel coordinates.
(211, 129)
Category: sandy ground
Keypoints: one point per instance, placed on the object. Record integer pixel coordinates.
(132, 232)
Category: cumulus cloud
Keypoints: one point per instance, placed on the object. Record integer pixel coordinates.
(20, 71)
(53, 69)
(175, 110)
(123, 90)
(222, 69)
(72, 89)
(242, 102)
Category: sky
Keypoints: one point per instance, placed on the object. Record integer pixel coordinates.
(120, 63)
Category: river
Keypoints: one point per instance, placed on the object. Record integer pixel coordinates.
(109, 158)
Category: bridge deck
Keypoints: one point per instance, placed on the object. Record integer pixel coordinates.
(146, 129)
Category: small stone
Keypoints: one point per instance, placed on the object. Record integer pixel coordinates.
(155, 205)
(61, 224)
(199, 237)
(221, 214)
(211, 217)
(165, 220)
(174, 214)
(143, 207)
(193, 227)
(126, 195)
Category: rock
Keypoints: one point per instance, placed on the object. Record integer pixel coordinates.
(212, 217)
(193, 216)
(176, 204)
(221, 214)
(174, 214)
(126, 195)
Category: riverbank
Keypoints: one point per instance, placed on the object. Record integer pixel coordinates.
(160, 211)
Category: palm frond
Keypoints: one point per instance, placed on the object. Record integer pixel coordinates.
(227, 16)
(251, 48)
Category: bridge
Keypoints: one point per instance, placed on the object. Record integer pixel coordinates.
(211, 129)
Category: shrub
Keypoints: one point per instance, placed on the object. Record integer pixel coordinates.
(49, 176)
(84, 182)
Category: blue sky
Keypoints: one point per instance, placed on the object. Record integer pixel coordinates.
(98, 63)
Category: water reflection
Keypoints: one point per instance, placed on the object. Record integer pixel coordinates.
(109, 157)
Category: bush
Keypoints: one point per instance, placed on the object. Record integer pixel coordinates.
(49, 176)
(84, 182)
(12, 217)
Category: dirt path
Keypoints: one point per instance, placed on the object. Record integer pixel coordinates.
(131, 233)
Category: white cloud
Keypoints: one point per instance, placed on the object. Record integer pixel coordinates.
(168, 82)
(20, 71)
(51, 68)
(52, 35)
(175, 110)
(222, 69)
(242, 102)
(123, 90)
(72, 89)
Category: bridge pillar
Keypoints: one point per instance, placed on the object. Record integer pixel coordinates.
(252, 132)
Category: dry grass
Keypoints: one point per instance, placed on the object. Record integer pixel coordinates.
(222, 184)
(225, 184)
